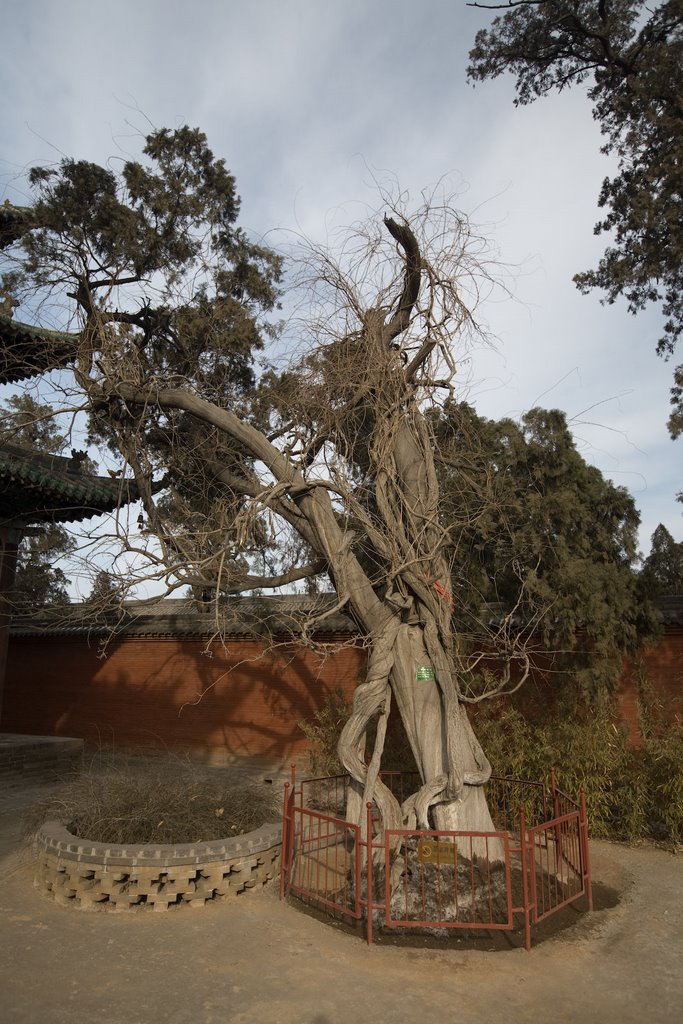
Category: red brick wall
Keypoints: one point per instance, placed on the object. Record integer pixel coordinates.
(236, 703)
(661, 668)
(168, 693)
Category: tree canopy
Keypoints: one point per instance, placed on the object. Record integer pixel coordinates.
(631, 56)
(662, 571)
(320, 463)
(325, 459)
(152, 258)
(543, 536)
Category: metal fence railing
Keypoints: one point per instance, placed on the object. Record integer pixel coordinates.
(534, 864)
(435, 881)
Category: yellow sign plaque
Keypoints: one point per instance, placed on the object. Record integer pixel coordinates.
(431, 851)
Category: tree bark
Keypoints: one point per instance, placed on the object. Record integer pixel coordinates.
(403, 611)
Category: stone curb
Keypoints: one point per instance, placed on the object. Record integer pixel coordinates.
(136, 877)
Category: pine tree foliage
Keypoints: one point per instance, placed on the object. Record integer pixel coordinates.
(543, 536)
(30, 424)
(153, 257)
(630, 55)
(662, 571)
(104, 592)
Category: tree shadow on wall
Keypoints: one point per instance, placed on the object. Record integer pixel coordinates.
(236, 701)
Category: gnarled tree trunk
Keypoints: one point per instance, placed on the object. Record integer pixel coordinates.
(412, 646)
(363, 399)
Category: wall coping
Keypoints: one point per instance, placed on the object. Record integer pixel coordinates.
(55, 838)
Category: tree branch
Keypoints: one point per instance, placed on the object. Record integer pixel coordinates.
(411, 280)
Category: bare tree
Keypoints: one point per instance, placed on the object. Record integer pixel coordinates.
(347, 463)
(326, 467)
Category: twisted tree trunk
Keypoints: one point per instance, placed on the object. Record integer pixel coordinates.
(411, 660)
(412, 642)
(402, 607)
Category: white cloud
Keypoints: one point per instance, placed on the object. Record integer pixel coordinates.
(308, 100)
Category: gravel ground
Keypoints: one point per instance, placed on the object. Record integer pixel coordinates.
(255, 959)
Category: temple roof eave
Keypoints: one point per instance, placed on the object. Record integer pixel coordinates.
(26, 350)
(39, 488)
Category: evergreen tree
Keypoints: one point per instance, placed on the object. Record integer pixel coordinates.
(163, 233)
(543, 536)
(31, 425)
(38, 581)
(104, 593)
(662, 572)
(631, 56)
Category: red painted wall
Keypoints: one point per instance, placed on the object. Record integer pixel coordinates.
(661, 668)
(169, 693)
(234, 703)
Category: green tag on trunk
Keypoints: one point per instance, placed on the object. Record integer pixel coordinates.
(424, 672)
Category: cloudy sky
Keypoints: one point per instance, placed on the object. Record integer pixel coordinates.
(311, 103)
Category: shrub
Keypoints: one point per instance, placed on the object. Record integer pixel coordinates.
(159, 800)
(663, 763)
(589, 752)
(631, 793)
(323, 734)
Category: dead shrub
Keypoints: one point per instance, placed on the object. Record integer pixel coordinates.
(127, 799)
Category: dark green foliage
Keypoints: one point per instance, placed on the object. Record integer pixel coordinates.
(104, 593)
(186, 295)
(662, 571)
(38, 581)
(631, 56)
(676, 418)
(541, 535)
(631, 793)
(161, 237)
(28, 424)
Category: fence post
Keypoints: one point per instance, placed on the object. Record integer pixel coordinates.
(286, 855)
(558, 831)
(553, 790)
(285, 839)
(584, 846)
(525, 880)
(369, 873)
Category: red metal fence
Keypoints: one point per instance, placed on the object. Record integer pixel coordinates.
(535, 864)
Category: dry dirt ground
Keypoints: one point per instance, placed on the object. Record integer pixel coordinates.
(255, 959)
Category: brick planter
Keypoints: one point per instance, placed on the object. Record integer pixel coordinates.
(98, 876)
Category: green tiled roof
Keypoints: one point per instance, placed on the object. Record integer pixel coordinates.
(49, 488)
(280, 615)
(26, 350)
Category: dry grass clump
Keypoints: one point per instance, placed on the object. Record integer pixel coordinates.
(123, 800)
